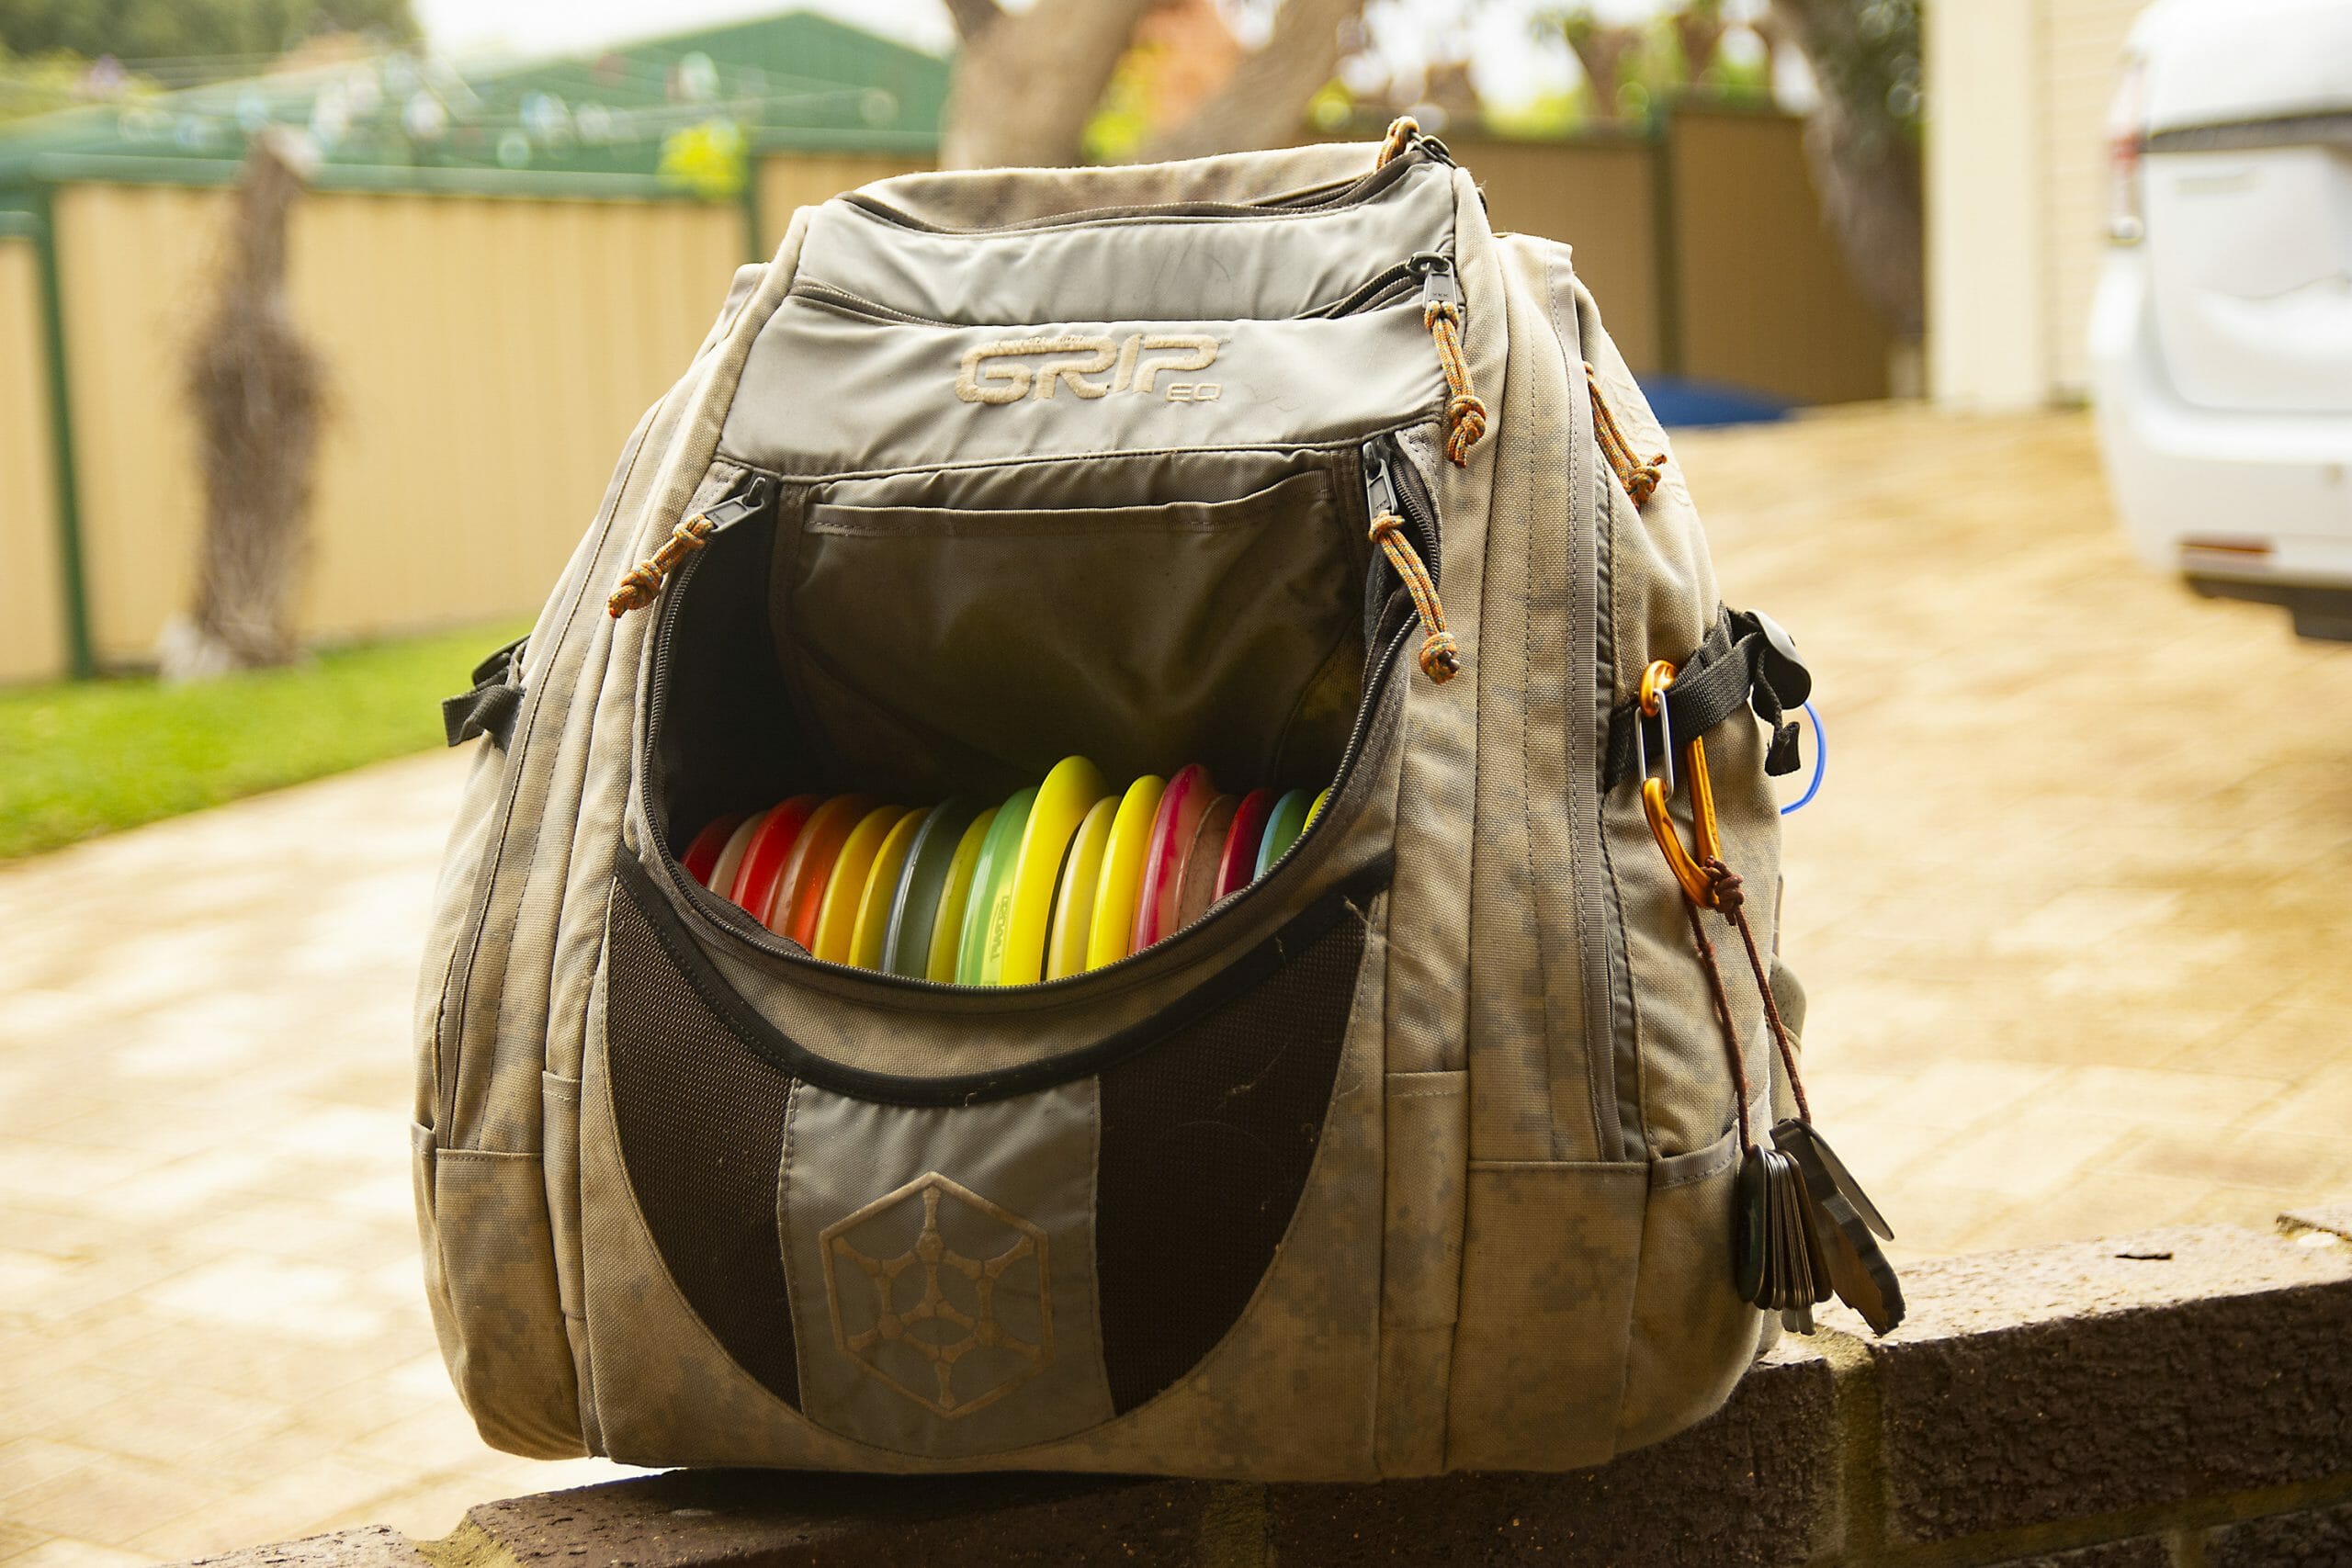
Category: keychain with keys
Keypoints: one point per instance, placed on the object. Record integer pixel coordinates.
(1805, 1226)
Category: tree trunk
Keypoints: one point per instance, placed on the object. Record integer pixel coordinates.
(1265, 101)
(258, 390)
(1028, 82)
(1864, 162)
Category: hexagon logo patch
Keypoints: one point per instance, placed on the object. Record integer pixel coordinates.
(941, 1295)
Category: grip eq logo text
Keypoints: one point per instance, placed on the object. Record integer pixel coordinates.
(1040, 367)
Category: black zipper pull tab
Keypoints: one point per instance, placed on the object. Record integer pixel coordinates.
(1379, 481)
(644, 581)
(1438, 284)
(1441, 656)
(724, 514)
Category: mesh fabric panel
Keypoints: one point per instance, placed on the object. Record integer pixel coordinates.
(1206, 1140)
(701, 1124)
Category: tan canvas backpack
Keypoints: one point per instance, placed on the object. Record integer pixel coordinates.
(1423, 1150)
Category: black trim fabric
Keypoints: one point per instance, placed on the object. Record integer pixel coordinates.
(701, 1125)
(789, 1057)
(1206, 1142)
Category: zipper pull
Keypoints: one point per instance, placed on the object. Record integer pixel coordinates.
(1405, 133)
(644, 581)
(1465, 414)
(1441, 656)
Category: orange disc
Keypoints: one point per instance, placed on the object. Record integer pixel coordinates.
(800, 890)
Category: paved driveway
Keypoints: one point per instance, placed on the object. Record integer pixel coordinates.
(2072, 909)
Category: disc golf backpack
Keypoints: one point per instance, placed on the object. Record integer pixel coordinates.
(1123, 849)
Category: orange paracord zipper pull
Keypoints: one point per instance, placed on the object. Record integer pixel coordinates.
(1402, 132)
(1639, 479)
(1440, 654)
(644, 580)
(1465, 412)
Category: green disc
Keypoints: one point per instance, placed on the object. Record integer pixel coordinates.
(991, 901)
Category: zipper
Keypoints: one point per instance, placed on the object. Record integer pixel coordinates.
(1394, 523)
(1383, 289)
(1392, 485)
(841, 300)
(755, 935)
(1308, 199)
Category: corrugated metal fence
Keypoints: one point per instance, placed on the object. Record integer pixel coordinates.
(488, 355)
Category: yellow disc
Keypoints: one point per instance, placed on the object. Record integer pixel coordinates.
(1112, 930)
(1315, 810)
(947, 924)
(1069, 793)
(837, 916)
(873, 922)
(1066, 942)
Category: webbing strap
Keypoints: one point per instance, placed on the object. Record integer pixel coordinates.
(1747, 662)
(490, 708)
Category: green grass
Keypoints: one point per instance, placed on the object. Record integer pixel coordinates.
(82, 757)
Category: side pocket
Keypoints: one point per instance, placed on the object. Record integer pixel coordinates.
(1692, 1336)
(503, 1338)
(1420, 1286)
(1550, 1255)
(560, 1123)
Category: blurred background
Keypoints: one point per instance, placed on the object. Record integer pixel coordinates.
(323, 320)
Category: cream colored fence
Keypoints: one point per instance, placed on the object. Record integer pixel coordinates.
(33, 632)
(487, 356)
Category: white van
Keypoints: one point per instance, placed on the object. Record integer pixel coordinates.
(2222, 335)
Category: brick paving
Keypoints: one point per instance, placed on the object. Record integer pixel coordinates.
(2069, 910)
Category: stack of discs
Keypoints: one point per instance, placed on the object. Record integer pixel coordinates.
(1060, 879)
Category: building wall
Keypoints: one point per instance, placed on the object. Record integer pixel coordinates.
(487, 358)
(33, 632)
(2017, 198)
(1763, 293)
(2082, 46)
(1600, 197)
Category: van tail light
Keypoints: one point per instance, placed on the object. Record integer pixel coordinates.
(2127, 129)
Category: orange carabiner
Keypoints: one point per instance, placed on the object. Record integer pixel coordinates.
(1691, 871)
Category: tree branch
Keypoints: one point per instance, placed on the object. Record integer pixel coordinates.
(1026, 87)
(973, 18)
(1263, 104)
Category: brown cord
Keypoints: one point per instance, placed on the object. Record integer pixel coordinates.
(644, 580)
(1465, 413)
(1730, 902)
(1640, 479)
(1722, 1018)
(1440, 654)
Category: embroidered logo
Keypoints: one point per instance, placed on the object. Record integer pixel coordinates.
(1037, 367)
(941, 1294)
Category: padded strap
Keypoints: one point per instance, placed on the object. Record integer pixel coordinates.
(490, 708)
(1747, 661)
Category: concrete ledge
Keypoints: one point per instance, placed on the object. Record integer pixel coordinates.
(2176, 1399)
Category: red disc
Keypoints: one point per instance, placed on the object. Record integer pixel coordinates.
(1238, 866)
(764, 856)
(703, 853)
(1172, 827)
(1196, 879)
